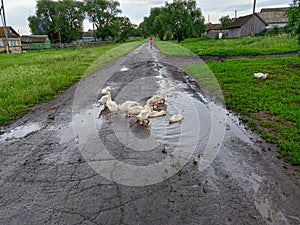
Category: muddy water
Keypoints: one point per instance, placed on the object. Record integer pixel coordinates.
(208, 169)
(20, 132)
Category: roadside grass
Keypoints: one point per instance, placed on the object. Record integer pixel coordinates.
(270, 107)
(242, 46)
(170, 48)
(29, 78)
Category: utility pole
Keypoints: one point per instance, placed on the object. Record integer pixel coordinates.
(4, 27)
(253, 18)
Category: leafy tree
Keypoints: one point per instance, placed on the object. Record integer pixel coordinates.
(71, 19)
(122, 28)
(102, 14)
(225, 22)
(143, 28)
(293, 14)
(180, 19)
(61, 20)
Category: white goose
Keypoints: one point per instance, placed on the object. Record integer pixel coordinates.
(103, 99)
(261, 75)
(178, 117)
(157, 113)
(154, 100)
(144, 115)
(163, 93)
(112, 106)
(127, 106)
(135, 110)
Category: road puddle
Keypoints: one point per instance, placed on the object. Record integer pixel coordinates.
(20, 132)
(123, 69)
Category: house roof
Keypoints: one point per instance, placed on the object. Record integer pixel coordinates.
(239, 22)
(274, 17)
(11, 32)
(88, 34)
(263, 10)
(213, 26)
(34, 38)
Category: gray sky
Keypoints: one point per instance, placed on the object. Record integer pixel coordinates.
(17, 11)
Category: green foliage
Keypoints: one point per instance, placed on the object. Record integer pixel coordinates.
(225, 22)
(293, 14)
(27, 79)
(102, 14)
(121, 29)
(274, 31)
(62, 20)
(179, 20)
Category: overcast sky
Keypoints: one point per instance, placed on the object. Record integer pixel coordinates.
(17, 11)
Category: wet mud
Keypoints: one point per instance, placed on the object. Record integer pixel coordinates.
(222, 58)
(46, 177)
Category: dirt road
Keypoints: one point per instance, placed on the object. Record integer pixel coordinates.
(61, 164)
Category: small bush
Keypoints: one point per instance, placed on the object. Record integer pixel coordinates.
(274, 31)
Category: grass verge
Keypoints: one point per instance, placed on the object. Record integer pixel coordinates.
(243, 46)
(271, 107)
(29, 78)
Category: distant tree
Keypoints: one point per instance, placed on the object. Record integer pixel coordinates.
(225, 22)
(179, 19)
(36, 25)
(103, 13)
(71, 19)
(122, 28)
(62, 20)
(143, 28)
(293, 14)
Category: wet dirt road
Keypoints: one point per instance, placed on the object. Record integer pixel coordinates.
(61, 164)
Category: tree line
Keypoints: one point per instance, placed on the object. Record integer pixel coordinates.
(178, 20)
(63, 20)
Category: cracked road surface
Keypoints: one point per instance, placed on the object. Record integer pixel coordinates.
(53, 172)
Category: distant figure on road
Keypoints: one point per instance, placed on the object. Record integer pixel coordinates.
(151, 41)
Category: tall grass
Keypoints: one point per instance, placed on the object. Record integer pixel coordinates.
(30, 78)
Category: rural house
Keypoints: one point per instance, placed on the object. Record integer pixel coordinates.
(14, 40)
(214, 31)
(34, 42)
(88, 36)
(242, 26)
(274, 17)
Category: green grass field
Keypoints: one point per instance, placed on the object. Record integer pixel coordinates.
(242, 46)
(270, 107)
(29, 78)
